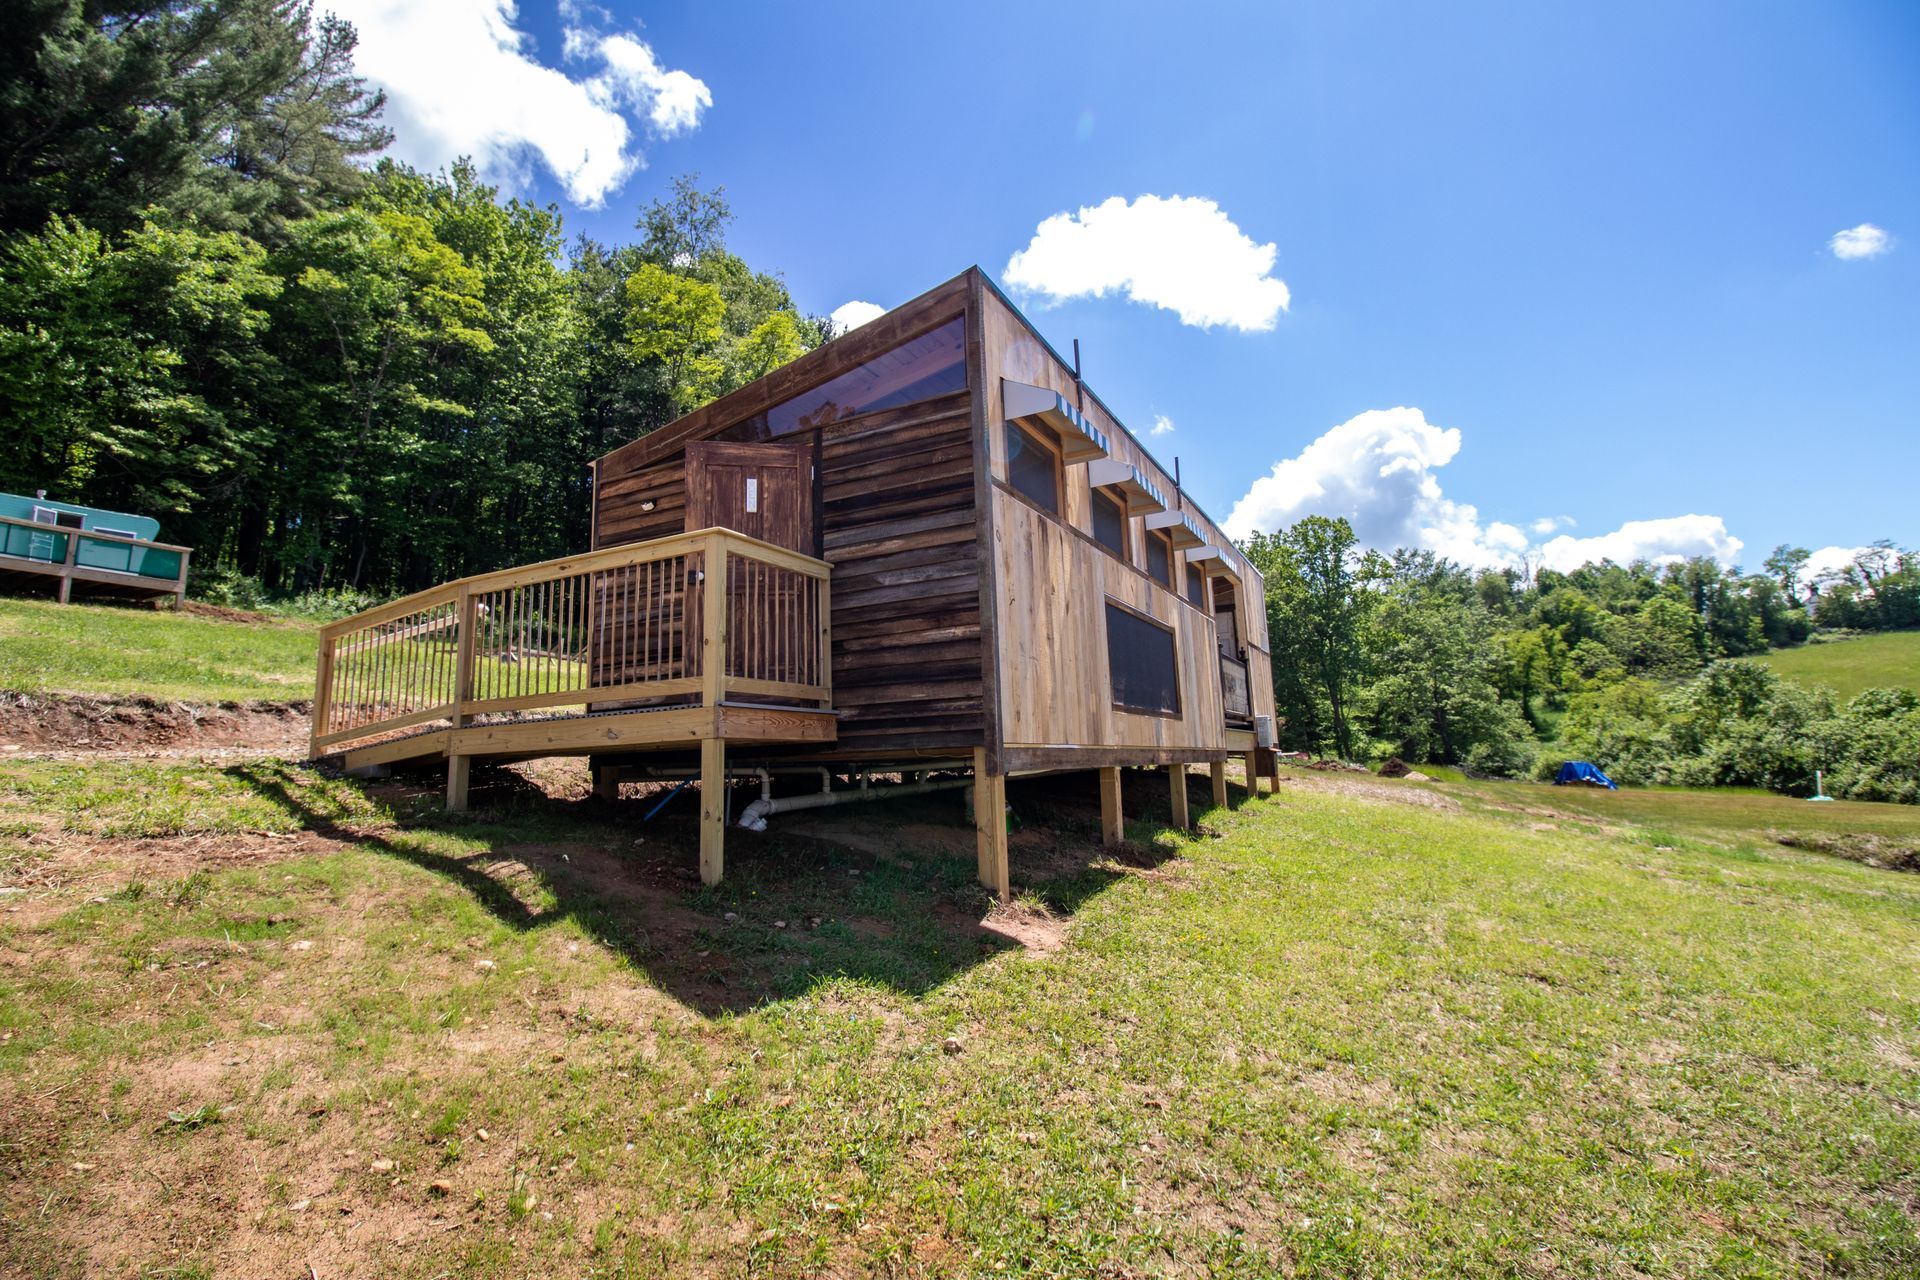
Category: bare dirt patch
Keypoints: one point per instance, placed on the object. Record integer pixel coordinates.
(81, 724)
(1368, 787)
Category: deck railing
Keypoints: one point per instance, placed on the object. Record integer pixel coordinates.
(700, 616)
(92, 556)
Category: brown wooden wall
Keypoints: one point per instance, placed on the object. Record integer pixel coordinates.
(898, 524)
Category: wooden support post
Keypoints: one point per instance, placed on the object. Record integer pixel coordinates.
(1113, 827)
(1273, 771)
(180, 587)
(713, 808)
(67, 563)
(322, 695)
(713, 619)
(1219, 768)
(1253, 776)
(457, 770)
(606, 783)
(990, 826)
(1177, 780)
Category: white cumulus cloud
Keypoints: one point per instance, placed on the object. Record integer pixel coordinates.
(851, 315)
(1379, 469)
(462, 80)
(1180, 253)
(1162, 425)
(1863, 241)
(1660, 541)
(1830, 560)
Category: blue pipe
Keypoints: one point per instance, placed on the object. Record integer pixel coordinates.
(684, 783)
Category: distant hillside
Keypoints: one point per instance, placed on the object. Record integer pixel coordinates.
(1891, 658)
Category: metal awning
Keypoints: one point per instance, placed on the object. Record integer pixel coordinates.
(1141, 493)
(1180, 526)
(1212, 561)
(1080, 440)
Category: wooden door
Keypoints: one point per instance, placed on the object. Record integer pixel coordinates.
(764, 491)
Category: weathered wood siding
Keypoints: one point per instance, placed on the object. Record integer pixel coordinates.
(1079, 713)
(1055, 685)
(899, 523)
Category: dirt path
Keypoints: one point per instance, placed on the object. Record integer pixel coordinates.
(80, 726)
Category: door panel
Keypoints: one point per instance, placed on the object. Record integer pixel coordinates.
(762, 490)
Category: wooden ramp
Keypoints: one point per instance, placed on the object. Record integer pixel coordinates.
(603, 733)
(721, 638)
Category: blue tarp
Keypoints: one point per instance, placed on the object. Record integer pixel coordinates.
(1581, 771)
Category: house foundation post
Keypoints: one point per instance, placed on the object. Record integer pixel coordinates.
(1113, 827)
(458, 767)
(713, 809)
(990, 826)
(1253, 776)
(1177, 788)
(1219, 770)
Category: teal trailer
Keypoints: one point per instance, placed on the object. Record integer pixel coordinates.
(115, 552)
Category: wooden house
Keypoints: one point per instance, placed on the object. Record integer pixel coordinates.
(925, 549)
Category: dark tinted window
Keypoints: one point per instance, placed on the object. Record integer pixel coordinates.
(1141, 659)
(1109, 524)
(1196, 586)
(1160, 559)
(921, 368)
(1032, 469)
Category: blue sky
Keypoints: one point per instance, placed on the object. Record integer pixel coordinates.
(1553, 273)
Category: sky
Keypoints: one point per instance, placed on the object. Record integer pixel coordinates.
(1519, 284)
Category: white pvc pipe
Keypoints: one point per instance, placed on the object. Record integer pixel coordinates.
(754, 817)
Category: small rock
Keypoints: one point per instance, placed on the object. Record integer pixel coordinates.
(381, 1166)
(302, 945)
(951, 1045)
(731, 916)
(814, 923)
(81, 1166)
(485, 966)
(301, 1206)
(779, 924)
(440, 1187)
(482, 1134)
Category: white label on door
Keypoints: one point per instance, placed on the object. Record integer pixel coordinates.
(753, 494)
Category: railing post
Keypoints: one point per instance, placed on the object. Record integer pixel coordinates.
(825, 589)
(322, 694)
(713, 620)
(458, 764)
(180, 587)
(464, 644)
(67, 562)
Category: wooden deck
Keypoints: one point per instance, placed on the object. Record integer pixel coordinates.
(109, 564)
(690, 642)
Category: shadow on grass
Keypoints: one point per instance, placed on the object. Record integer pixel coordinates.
(882, 892)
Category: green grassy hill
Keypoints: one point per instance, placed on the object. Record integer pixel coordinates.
(1890, 659)
(94, 648)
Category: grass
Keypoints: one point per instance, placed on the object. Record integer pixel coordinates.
(94, 648)
(1886, 659)
(1361, 1030)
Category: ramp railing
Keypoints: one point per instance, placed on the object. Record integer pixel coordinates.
(697, 617)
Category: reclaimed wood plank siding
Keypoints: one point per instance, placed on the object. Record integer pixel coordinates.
(898, 522)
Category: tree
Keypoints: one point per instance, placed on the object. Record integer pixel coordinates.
(674, 322)
(237, 114)
(1315, 574)
(1788, 565)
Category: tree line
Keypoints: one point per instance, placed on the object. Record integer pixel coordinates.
(1635, 667)
(323, 374)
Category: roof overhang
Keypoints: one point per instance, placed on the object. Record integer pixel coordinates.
(1141, 493)
(1180, 527)
(1031, 406)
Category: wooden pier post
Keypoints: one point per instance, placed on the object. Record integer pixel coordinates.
(713, 809)
(1219, 768)
(1113, 827)
(1253, 776)
(990, 826)
(1177, 785)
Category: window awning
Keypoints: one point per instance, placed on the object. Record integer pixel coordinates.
(1141, 493)
(1180, 526)
(1212, 561)
(1031, 406)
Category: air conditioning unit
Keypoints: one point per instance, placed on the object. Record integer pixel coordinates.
(1263, 732)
